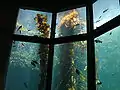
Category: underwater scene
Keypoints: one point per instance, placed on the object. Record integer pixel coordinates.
(70, 59)
(70, 66)
(27, 67)
(105, 10)
(71, 22)
(33, 23)
(107, 52)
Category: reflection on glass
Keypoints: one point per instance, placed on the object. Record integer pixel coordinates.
(105, 10)
(71, 22)
(70, 66)
(31, 23)
(27, 66)
(107, 54)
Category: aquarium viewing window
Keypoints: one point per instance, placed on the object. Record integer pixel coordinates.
(22, 71)
(32, 23)
(70, 66)
(107, 59)
(105, 10)
(66, 50)
(71, 22)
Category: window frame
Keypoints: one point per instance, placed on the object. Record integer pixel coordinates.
(89, 36)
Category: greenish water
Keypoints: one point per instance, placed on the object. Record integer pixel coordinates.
(70, 59)
(108, 55)
(67, 58)
(21, 74)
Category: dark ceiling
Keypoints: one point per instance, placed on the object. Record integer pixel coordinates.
(56, 6)
(47, 5)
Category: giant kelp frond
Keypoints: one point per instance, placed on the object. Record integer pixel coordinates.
(71, 19)
(42, 25)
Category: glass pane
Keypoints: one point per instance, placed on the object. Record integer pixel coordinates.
(27, 66)
(107, 51)
(70, 66)
(31, 23)
(105, 10)
(71, 22)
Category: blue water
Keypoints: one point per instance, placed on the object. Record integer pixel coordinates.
(20, 70)
(99, 6)
(60, 64)
(26, 19)
(108, 54)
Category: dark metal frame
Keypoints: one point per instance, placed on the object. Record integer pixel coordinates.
(90, 36)
(91, 75)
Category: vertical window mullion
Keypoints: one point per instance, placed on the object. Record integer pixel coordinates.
(90, 48)
(51, 53)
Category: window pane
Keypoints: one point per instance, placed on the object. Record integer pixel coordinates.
(70, 66)
(108, 60)
(105, 10)
(71, 22)
(30, 23)
(27, 66)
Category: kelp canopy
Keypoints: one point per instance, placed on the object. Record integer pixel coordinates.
(42, 25)
(70, 58)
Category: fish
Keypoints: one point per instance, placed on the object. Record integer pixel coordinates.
(98, 82)
(13, 42)
(33, 64)
(105, 10)
(39, 52)
(98, 41)
(19, 27)
(29, 30)
(25, 84)
(85, 68)
(77, 71)
(110, 33)
(13, 46)
(77, 24)
(113, 74)
(22, 44)
(97, 21)
(100, 17)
